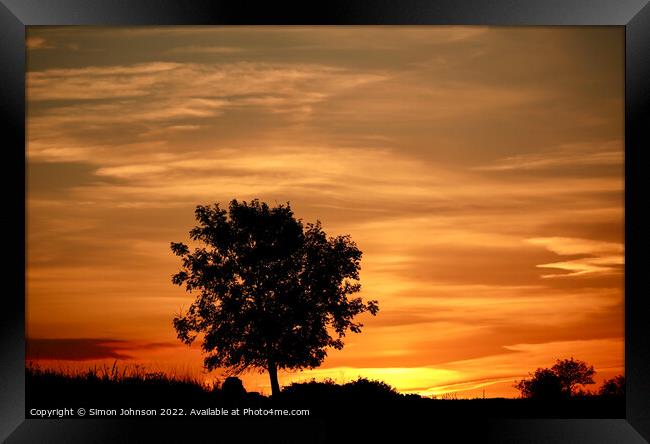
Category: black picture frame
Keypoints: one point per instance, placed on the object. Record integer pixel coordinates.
(633, 15)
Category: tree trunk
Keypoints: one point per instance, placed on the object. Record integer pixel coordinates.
(273, 374)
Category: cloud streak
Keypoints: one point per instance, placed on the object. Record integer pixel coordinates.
(582, 154)
(598, 257)
(35, 42)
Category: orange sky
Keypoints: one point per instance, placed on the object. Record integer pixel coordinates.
(479, 169)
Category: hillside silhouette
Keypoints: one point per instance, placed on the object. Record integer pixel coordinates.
(110, 388)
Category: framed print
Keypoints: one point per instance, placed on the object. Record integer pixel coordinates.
(334, 221)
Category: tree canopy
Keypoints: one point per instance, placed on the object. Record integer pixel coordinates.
(271, 293)
(573, 373)
(543, 384)
(561, 380)
(614, 387)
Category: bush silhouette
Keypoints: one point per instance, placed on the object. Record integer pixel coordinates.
(233, 388)
(361, 390)
(271, 293)
(370, 389)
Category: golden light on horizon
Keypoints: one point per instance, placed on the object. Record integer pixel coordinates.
(479, 169)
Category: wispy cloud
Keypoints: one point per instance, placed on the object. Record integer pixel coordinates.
(88, 349)
(195, 49)
(580, 267)
(607, 154)
(77, 349)
(153, 99)
(568, 246)
(209, 81)
(35, 42)
(598, 257)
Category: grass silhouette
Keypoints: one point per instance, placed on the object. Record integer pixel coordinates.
(135, 387)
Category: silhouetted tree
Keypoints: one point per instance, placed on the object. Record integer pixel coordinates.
(272, 293)
(543, 384)
(558, 381)
(614, 387)
(572, 373)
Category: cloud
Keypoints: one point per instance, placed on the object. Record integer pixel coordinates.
(79, 349)
(35, 42)
(332, 173)
(93, 82)
(570, 245)
(304, 37)
(195, 49)
(577, 154)
(87, 349)
(209, 81)
(580, 267)
(130, 170)
(601, 257)
(71, 109)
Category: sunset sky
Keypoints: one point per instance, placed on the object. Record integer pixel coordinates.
(479, 169)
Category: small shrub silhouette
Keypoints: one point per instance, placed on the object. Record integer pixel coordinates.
(233, 389)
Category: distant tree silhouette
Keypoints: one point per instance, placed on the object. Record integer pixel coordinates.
(271, 293)
(614, 387)
(559, 381)
(544, 384)
(573, 373)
